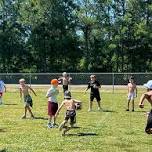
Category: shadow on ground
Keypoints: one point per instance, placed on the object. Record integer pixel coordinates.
(82, 134)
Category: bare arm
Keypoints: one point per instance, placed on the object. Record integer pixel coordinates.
(5, 88)
(20, 93)
(59, 109)
(142, 98)
(32, 90)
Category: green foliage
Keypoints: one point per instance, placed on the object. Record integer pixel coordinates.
(86, 35)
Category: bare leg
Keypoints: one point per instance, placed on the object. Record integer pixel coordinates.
(99, 105)
(90, 105)
(132, 105)
(25, 111)
(62, 125)
(30, 111)
(128, 105)
(1, 100)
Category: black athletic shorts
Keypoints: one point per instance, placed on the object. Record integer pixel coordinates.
(65, 88)
(96, 96)
(70, 114)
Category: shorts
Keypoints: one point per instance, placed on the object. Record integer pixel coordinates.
(1, 94)
(131, 96)
(28, 101)
(65, 88)
(70, 114)
(97, 96)
(52, 108)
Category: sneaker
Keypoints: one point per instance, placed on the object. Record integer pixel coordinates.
(127, 109)
(133, 110)
(49, 125)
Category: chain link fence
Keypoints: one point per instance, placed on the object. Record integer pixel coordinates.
(111, 79)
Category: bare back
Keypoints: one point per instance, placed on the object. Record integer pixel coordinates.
(69, 104)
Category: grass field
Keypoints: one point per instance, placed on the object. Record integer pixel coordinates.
(112, 130)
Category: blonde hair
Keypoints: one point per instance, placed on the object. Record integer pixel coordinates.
(22, 80)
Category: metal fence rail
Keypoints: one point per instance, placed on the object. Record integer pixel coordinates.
(112, 79)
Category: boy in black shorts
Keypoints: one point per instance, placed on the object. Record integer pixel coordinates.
(70, 105)
(94, 93)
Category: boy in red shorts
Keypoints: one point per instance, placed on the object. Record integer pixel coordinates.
(52, 103)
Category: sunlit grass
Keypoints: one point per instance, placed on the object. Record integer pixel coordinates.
(113, 130)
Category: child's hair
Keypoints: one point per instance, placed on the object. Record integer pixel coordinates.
(92, 76)
(67, 95)
(64, 74)
(22, 80)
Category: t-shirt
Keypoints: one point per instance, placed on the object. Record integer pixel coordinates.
(93, 85)
(2, 84)
(52, 94)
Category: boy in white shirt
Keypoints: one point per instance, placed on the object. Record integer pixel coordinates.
(52, 94)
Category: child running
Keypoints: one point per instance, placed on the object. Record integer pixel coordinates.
(94, 93)
(52, 94)
(65, 81)
(132, 93)
(2, 89)
(148, 96)
(70, 105)
(28, 102)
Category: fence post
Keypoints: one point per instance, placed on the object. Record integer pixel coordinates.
(30, 79)
(113, 82)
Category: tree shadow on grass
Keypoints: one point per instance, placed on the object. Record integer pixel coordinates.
(82, 134)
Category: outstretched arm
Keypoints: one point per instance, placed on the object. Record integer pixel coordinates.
(142, 98)
(59, 109)
(32, 90)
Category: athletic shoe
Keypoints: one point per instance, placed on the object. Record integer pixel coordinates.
(49, 125)
(127, 109)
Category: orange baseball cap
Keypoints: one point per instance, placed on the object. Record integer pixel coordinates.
(54, 81)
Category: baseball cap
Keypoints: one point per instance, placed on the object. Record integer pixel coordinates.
(54, 81)
(67, 95)
(148, 84)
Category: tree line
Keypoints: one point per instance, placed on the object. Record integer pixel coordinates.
(75, 35)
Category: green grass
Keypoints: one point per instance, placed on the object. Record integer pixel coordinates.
(116, 130)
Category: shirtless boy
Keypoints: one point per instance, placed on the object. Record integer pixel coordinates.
(70, 105)
(132, 93)
(28, 103)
